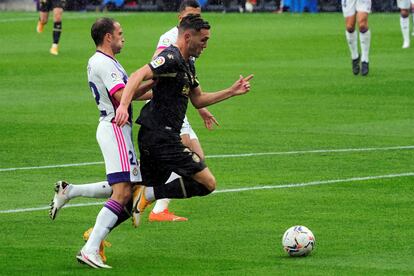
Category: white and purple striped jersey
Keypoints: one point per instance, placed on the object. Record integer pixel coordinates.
(168, 38)
(106, 76)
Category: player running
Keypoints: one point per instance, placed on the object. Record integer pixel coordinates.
(65, 191)
(161, 149)
(56, 6)
(107, 79)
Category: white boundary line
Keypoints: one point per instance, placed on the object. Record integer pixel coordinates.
(275, 186)
(227, 156)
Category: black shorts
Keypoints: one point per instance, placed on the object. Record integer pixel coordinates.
(161, 153)
(48, 5)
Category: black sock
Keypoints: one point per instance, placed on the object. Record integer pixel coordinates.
(182, 187)
(57, 30)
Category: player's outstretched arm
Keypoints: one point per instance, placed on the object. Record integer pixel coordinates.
(201, 99)
(131, 90)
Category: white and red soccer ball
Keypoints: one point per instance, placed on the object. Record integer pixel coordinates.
(298, 241)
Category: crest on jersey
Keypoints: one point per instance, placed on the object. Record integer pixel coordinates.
(115, 77)
(166, 41)
(157, 62)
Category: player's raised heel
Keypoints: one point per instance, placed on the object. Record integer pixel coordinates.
(60, 199)
(139, 203)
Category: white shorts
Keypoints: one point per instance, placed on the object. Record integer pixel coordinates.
(187, 129)
(117, 148)
(350, 7)
(404, 4)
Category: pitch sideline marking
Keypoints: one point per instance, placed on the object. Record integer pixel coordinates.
(226, 156)
(283, 186)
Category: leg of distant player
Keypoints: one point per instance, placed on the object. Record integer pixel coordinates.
(412, 12)
(405, 27)
(43, 15)
(108, 218)
(365, 40)
(57, 30)
(352, 39)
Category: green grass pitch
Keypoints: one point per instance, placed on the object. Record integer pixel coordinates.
(303, 98)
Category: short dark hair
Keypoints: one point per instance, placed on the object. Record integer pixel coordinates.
(193, 22)
(188, 3)
(100, 28)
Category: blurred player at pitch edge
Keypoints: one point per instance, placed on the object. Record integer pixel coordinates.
(404, 6)
(56, 6)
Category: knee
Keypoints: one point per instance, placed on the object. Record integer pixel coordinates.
(350, 29)
(211, 183)
(363, 26)
(122, 195)
(404, 13)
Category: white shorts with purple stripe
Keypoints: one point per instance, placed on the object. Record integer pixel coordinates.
(117, 148)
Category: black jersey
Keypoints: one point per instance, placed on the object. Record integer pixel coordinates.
(174, 78)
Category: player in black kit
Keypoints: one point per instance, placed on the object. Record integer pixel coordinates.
(159, 139)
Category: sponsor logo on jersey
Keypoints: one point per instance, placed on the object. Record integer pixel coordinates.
(157, 62)
(170, 56)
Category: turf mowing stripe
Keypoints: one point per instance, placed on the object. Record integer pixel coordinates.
(225, 156)
(282, 186)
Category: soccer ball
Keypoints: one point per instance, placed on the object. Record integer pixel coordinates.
(298, 241)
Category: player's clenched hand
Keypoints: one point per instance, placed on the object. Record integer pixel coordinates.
(242, 85)
(121, 117)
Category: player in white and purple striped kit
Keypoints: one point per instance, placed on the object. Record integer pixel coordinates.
(65, 191)
(107, 79)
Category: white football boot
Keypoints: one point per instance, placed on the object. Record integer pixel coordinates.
(92, 259)
(60, 198)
